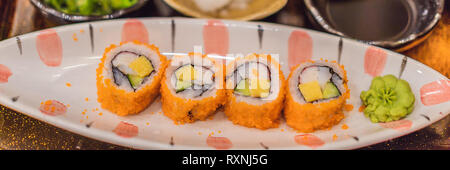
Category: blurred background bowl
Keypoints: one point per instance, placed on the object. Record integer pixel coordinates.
(393, 24)
(61, 17)
(256, 9)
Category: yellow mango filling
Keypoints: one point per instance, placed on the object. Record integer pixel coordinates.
(311, 91)
(254, 87)
(186, 73)
(259, 88)
(141, 66)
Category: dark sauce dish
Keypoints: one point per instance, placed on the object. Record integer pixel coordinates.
(393, 24)
(61, 17)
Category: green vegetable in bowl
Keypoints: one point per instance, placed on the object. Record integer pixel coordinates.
(120, 4)
(388, 99)
(89, 7)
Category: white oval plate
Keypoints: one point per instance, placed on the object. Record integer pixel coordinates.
(59, 65)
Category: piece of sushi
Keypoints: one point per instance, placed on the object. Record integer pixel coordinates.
(192, 88)
(255, 91)
(128, 77)
(316, 94)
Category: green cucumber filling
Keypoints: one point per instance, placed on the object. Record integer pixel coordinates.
(330, 91)
(182, 85)
(135, 80)
(243, 87)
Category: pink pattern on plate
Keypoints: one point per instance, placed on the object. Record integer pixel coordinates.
(215, 38)
(5, 73)
(219, 142)
(134, 29)
(126, 130)
(435, 92)
(300, 46)
(53, 108)
(309, 140)
(49, 47)
(400, 125)
(374, 61)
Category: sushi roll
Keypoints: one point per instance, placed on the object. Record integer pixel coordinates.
(316, 94)
(192, 88)
(128, 77)
(255, 91)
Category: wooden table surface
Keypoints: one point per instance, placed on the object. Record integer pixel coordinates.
(18, 131)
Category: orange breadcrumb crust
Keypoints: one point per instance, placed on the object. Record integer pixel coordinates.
(310, 117)
(122, 102)
(182, 110)
(262, 116)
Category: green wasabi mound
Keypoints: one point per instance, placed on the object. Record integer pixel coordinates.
(388, 99)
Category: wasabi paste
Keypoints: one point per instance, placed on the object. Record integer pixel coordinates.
(388, 99)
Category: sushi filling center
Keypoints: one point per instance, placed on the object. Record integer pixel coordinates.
(253, 80)
(192, 80)
(132, 68)
(318, 83)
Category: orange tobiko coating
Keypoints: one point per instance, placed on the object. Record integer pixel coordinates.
(120, 101)
(261, 116)
(309, 117)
